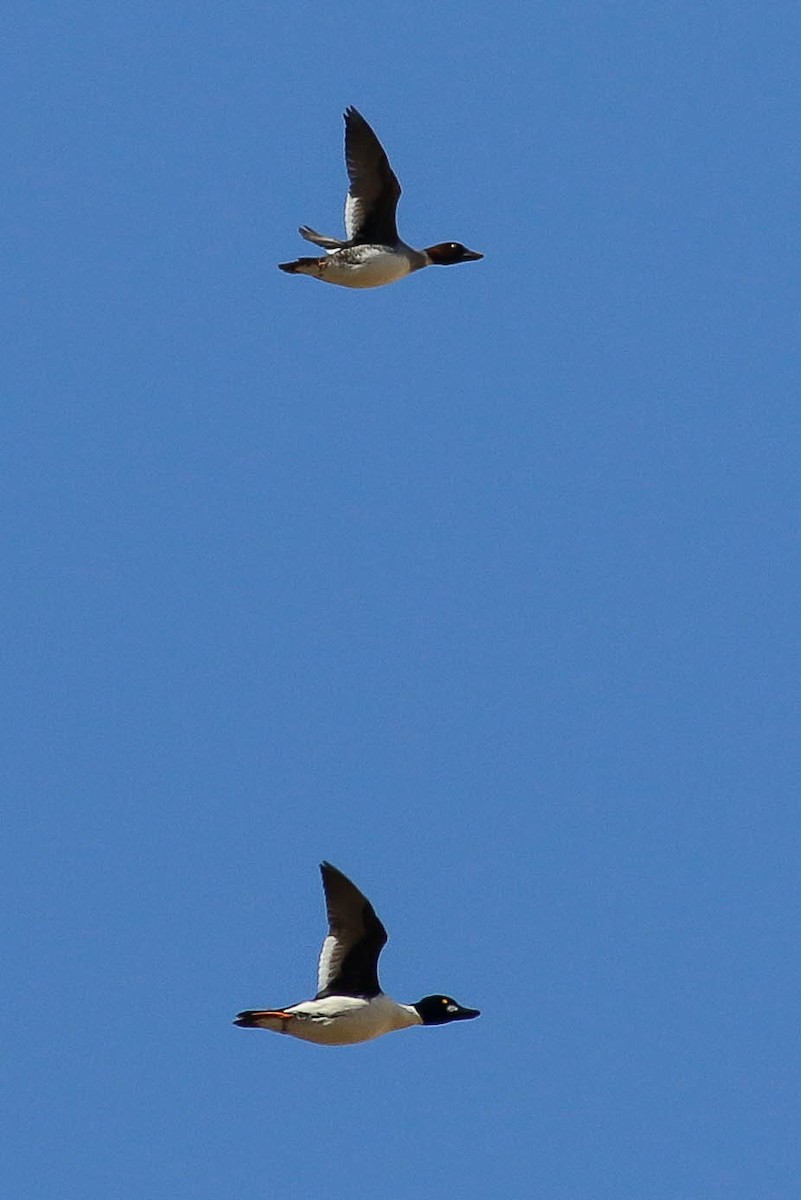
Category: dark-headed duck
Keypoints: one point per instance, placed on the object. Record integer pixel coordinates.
(349, 1006)
(372, 254)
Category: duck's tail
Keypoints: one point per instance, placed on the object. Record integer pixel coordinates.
(264, 1018)
(301, 266)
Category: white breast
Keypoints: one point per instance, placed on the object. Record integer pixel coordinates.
(365, 269)
(345, 1020)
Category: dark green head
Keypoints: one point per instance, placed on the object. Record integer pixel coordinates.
(438, 1010)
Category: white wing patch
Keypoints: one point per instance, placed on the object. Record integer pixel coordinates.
(331, 956)
(354, 215)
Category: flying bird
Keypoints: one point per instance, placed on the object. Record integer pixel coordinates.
(372, 254)
(349, 1006)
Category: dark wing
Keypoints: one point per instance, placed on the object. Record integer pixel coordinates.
(374, 190)
(349, 958)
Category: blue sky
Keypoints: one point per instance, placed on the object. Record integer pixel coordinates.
(484, 586)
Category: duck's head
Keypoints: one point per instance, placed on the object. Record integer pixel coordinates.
(438, 1010)
(444, 254)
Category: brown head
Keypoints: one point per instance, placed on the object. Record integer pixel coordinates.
(444, 254)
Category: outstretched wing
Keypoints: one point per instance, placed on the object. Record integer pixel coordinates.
(374, 190)
(349, 957)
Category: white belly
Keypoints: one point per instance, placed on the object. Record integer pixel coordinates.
(373, 270)
(346, 1020)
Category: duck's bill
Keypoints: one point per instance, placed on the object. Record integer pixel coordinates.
(465, 1014)
(472, 256)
